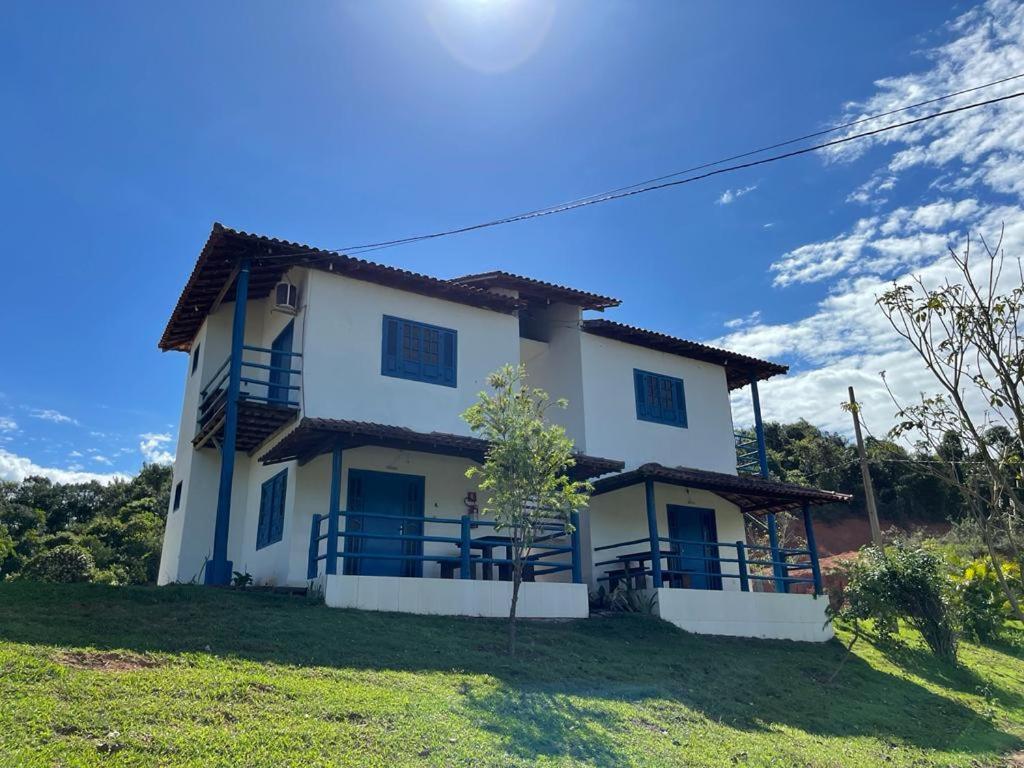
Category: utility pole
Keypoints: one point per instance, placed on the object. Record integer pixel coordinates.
(865, 473)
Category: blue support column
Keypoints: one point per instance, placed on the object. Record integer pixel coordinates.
(332, 513)
(812, 548)
(314, 548)
(652, 529)
(778, 570)
(218, 570)
(762, 451)
(577, 568)
(741, 556)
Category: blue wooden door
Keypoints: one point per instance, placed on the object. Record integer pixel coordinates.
(694, 525)
(387, 498)
(280, 357)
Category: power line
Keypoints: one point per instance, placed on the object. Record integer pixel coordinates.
(642, 187)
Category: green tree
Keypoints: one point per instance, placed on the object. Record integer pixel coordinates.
(524, 475)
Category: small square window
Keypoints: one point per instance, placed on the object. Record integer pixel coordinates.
(419, 351)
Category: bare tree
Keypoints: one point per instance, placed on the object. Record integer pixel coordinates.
(968, 334)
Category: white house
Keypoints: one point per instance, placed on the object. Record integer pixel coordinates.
(321, 441)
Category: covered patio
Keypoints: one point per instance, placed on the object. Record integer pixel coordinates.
(384, 552)
(689, 544)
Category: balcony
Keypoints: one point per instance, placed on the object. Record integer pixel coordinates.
(268, 398)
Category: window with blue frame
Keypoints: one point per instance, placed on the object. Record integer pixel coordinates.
(419, 351)
(659, 398)
(271, 522)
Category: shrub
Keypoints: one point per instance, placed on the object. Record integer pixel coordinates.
(980, 600)
(65, 563)
(903, 582)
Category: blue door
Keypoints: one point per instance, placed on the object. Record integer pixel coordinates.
(693, 525)
(280, 357)
(386, 498)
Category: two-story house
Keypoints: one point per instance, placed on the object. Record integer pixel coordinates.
(321, 441)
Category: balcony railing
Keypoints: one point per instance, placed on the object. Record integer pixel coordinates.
(755, 565)
(747, 459)
(268, 396)
(552, 540)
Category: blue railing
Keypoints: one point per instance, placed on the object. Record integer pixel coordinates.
(747, 459)
(272, 378)
(709, 553)
(344, 545)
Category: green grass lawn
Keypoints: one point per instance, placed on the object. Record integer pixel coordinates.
(186, 676)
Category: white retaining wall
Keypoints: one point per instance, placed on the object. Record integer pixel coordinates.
(746, 614)
(455, 597)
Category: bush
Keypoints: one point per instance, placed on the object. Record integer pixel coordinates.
(981, 603)
(902, 582)
(65, 563)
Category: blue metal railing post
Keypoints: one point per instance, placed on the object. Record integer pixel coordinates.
(577, 568)
(314, 547)
(778, 570)
(652, 530)
(332, 513)
(812, 548)
(218, 570)
(467, 542)
(741, 556)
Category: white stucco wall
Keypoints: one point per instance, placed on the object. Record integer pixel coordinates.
(342, 355)
(454, 597)
(613, 430)
(621, 515)
(746, 614)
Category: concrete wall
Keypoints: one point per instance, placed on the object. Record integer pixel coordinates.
(613, 430)
(746, 614)
(342, 364)
(622, 516)
(453, 597)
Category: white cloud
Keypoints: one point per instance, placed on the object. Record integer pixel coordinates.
(75, 455)
(102, 460)
(153, 448)
(7, 424)
(49, 414)
(17, 468)
(740, 322)
(731, 195)
(882, 244)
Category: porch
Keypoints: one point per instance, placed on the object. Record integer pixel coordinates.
(689, 545)
(376, 547)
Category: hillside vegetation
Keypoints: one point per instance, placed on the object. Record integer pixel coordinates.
(186, 676)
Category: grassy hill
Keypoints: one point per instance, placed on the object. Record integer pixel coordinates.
(185, 676)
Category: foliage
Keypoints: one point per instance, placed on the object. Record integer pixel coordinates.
(625, 598)
(120, 525)
(241, 580)
(65, 563)
(967, 333)
(524, 475)
(200, 677)
(982, 607)
(902, 582)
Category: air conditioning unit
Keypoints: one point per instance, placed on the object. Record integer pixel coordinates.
(286, 297)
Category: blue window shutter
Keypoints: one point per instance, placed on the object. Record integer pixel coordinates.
(680, 402)
(659, 398)
(391, 345)
(277, 521)
(261, 528)
(270, 527)
(418, 351)
(448, 359)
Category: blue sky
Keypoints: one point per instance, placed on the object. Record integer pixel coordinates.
(130, 127)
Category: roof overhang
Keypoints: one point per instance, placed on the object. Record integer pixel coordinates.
(751, 494)
(313, 437)
(537, 290)
(739, 369)
(213, 278)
